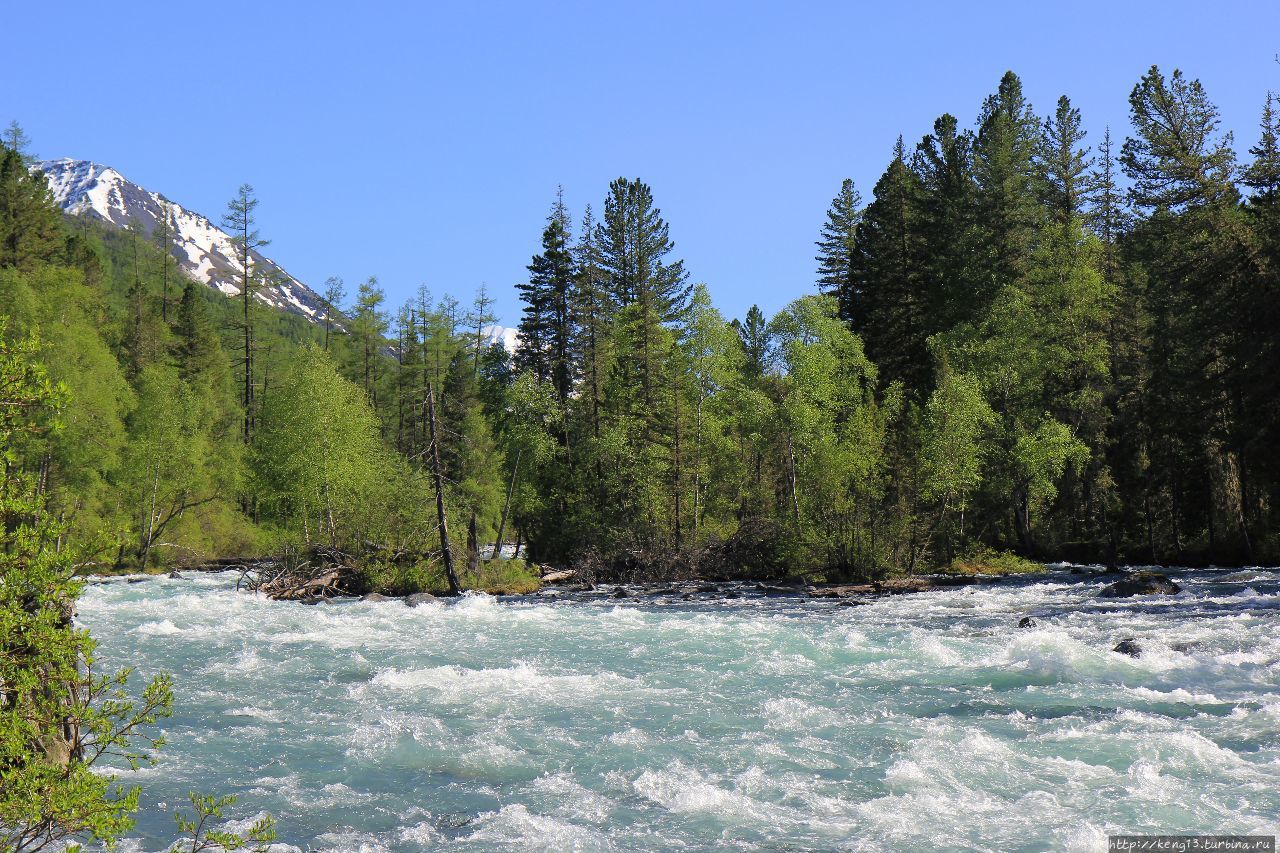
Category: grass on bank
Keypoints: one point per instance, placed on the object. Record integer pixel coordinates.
(988, 561)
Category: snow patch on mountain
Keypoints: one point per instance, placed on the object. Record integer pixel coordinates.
(505, 335)
(203, 250)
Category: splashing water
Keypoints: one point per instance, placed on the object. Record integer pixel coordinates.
(566, 722)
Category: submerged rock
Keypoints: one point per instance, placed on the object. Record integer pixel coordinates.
(419, 598)
(1128, 646)
(1141, 583)
(1027, 622)
(375, 596)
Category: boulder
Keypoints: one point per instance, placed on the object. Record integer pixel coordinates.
(1128, 646)
(1141, 583)
(175, 576)
(1027, 622)
(620, 592)
(419, 598)
(559, 577)
(375, 596)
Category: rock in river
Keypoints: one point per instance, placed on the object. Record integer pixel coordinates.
(1128, 646)
(1141, 583)
(419, 598)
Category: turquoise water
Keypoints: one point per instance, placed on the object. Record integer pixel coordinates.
(658, 723)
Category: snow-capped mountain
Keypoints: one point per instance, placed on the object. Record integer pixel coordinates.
(508, 337)
(202, 250)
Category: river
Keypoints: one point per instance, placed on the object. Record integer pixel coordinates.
(585, 722)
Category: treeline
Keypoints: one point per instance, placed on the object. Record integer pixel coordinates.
(1020, 343)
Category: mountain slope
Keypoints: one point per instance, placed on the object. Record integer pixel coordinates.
(203, 251)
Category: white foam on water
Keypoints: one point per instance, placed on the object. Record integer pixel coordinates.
(796, 714)
(516, 826)
(163, 628)
(681, 789)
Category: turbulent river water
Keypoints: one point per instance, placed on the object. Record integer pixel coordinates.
(914, 722)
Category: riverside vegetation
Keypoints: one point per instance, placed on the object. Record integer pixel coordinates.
(1020, 345)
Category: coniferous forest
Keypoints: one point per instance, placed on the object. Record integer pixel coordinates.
(1021, 339)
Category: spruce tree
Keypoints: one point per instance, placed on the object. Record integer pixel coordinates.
(1006, 202)
(891, 299)
(943, 163)
(593, 310)
(836, 248)
(634, 243)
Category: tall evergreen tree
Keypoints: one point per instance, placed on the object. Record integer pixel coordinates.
(239, 220)
(1064, 164)
(546, 327)
(943, 162)
(634, 244)
(836, 247)
(593, 309)
(1006, 202)
(890, 305)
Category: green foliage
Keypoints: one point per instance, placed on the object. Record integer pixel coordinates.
(319, 460)
(59, 718)
(986, 561)
(202, 836)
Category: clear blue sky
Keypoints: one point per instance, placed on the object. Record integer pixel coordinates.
(423, 142)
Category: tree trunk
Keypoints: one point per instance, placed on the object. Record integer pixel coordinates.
(506, 507)
(436, 476)
(473, 548)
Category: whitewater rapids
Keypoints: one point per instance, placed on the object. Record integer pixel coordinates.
(926, 721)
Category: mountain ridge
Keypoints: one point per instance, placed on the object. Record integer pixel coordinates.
(203, 251)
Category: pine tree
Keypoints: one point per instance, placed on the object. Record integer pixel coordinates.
(1064, 164)
(480, 315)
(1176, 158)
(240, 223)
(1193, 245)
(162, 235)
(334, 295)
(368, 325)
(836, 248)
(16, 140)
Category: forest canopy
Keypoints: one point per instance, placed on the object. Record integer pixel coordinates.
(1020, 339)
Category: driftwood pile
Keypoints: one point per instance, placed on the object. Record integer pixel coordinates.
(320, 572)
